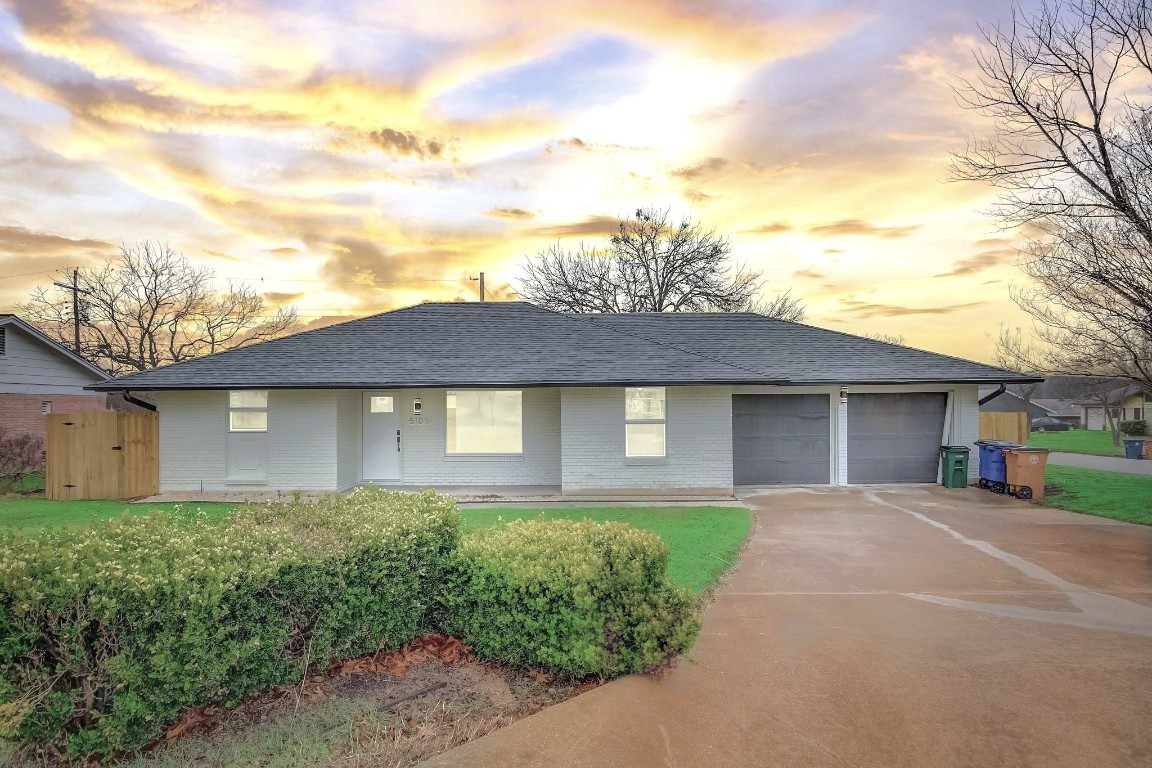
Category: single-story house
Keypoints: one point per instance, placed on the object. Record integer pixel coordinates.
(1127, 403)
(39, 376)
(1010, 402)
(510, 394)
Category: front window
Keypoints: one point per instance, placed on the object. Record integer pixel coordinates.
(484, 421)
(248, 411)
(644, 421)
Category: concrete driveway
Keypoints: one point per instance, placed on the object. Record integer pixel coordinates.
(889, 626)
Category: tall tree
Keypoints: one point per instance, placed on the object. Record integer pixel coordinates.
(1067, 89)
(150, 307)
(651, 264)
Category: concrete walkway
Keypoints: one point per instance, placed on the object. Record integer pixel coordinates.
(888, 626)
(1106, 463)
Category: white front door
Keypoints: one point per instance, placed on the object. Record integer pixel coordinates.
(382, 438)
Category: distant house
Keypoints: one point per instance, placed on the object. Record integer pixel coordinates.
(1051, 407)
(1127, 403)
(510, 394)
(39, 376)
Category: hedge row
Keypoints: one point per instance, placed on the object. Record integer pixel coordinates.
(109, 634)
(578, 598)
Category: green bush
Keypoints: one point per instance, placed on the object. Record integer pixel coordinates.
(574, 598)
(1136, 428)
(109, 634)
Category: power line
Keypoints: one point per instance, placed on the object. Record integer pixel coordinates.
(348, 282)
(26, 274)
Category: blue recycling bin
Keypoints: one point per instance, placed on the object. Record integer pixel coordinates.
(993, 470)
(1134, 449)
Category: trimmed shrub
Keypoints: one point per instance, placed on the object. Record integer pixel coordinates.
(573, 598)
(109, 634)
(1136, 428)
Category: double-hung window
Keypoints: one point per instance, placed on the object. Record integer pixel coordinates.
(644, 422)
(248, 410)
(485, 421)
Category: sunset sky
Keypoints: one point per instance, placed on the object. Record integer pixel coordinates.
(352, 157)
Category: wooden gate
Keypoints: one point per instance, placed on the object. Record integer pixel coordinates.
(1004, 425)
(102, 455)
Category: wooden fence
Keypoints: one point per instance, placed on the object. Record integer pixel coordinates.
(1004, 426)
(102, 455)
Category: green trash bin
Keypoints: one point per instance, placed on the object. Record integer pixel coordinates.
(954, 466)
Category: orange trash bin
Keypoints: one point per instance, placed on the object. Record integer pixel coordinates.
(1026, 471)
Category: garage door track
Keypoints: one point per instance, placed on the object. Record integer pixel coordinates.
(889, 626)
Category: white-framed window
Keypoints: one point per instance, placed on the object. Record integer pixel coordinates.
(644, 422)
(248, 410)
(484, 421)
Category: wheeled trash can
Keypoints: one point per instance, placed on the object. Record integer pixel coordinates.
(1025, 470)
(954, 466)
(993, 474)
(1134, 448)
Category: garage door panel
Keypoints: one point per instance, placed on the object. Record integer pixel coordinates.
(780, 439)
(895, 438)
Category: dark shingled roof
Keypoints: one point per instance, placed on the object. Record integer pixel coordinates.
(518, 344)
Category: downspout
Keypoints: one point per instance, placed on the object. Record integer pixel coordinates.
(993, 395)
(137, 401)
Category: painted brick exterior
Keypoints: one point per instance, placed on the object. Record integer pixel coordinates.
(573, 437)
(698, 439)
(349, 438)
(425, 463)
(23, 412)
(301, 441)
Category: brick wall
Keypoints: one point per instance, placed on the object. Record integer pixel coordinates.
(24, 412)
(698, 439)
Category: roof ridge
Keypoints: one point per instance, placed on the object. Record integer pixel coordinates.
(591, 318)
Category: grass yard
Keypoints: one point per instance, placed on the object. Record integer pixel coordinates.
(30, 513)
(1107, 494)
(704, 540)
(1095, 441)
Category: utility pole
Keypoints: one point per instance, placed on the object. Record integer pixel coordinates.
(74, 286)
(481, 279)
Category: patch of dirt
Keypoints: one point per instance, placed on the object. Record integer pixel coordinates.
(400, 708)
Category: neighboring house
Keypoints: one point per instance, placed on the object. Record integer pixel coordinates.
(1010, 402)
(1128, 403)
(39, 376)
(509, 394)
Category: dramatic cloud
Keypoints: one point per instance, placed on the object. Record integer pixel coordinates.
(864, 309)
(774, 228)
(405, 144)
(981, 261)
(857, 227)
(25, 241)
(509, 213)
(810, 273)
(594, 225)
(703, 169)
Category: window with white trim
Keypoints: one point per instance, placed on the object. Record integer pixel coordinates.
(248, 410)
(644, 422)
(484, 421)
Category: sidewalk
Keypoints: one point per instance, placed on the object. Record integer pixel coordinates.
(1106, 463)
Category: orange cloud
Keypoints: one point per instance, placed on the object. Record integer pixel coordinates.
(857, 227)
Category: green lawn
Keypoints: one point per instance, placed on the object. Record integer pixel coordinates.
(705, 541)
(1107, 494)
(31, 513)
(1097, 441)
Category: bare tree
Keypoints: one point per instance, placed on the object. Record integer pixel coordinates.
(887, 338)
(652, 264)
(1067, 89)
(150, 307)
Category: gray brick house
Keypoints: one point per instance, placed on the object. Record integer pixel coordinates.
(509, 394)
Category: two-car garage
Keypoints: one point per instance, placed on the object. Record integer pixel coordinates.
(789, 438)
